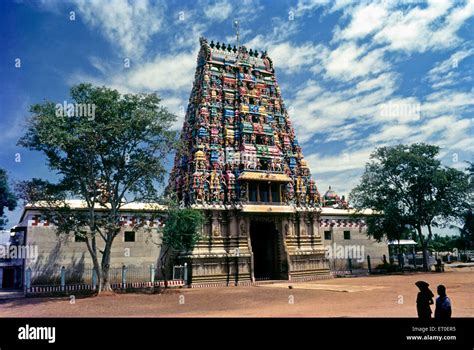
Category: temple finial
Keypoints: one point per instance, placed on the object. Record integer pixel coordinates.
(237, 28)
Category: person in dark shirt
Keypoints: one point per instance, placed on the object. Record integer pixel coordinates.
(443, 304)
(423, 300)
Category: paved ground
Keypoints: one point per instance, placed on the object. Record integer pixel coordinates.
(375, 296)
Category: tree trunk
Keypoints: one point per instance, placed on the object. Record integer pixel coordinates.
(163, 260)
(91, 246)
(98, 273)
(425, 257)
(424, 247)
(106, 286)
(105, 266)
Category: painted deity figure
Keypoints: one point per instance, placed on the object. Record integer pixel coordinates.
(215, 185)
(206, 189)
(289, 192)
(200, 188)
(300, 189)
(200, 159)
(230, 179)
(276, 164)
(232, 196)
(311, 197)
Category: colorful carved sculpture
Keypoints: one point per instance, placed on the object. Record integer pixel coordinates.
(237, 122)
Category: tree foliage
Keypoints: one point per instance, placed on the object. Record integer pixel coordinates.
(107, 160)
(181, 232)
(410, 188)
(7, 198)
(445, 243)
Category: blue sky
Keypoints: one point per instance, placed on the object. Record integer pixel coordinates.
(354, 75)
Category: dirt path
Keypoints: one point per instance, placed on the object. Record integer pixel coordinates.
(375, 296)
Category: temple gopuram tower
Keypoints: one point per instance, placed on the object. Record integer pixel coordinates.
(240, 163)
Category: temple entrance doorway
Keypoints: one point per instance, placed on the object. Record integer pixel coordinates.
(269, 260)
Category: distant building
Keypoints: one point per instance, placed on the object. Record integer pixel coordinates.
(342, 230)
(136, 248)
(11, 263)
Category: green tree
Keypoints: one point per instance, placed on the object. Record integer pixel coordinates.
(107, 159)
(411, 179)
(440, 243)
(180, 234)
(467, 231)
(387, 225)
(7, 198)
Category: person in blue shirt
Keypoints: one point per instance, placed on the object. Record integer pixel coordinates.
(443, 304)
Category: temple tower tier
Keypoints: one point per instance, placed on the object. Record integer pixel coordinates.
(241, 164)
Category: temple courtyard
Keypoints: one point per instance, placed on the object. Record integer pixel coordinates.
(371, 296)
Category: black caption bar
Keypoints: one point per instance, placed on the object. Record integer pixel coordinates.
(367, 333)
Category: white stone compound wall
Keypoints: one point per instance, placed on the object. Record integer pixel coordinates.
(358, 238)
(55, 251)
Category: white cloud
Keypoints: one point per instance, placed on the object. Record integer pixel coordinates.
(449, 72)
(341, 171)
(366, 19)
(128, 25)
(340, 112)
(420, 29)
(218, 11)
(259, 41)
(404, 26)
(346, 160)
(99, 64)
(395, 133)
(187, 36)
(447, 131)
(291, 58)
(171, 76)
(386, 80)
(171, 72)
(447, 102)
(349, 61)
(307, 6)
(163, 74)
(447, 35)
